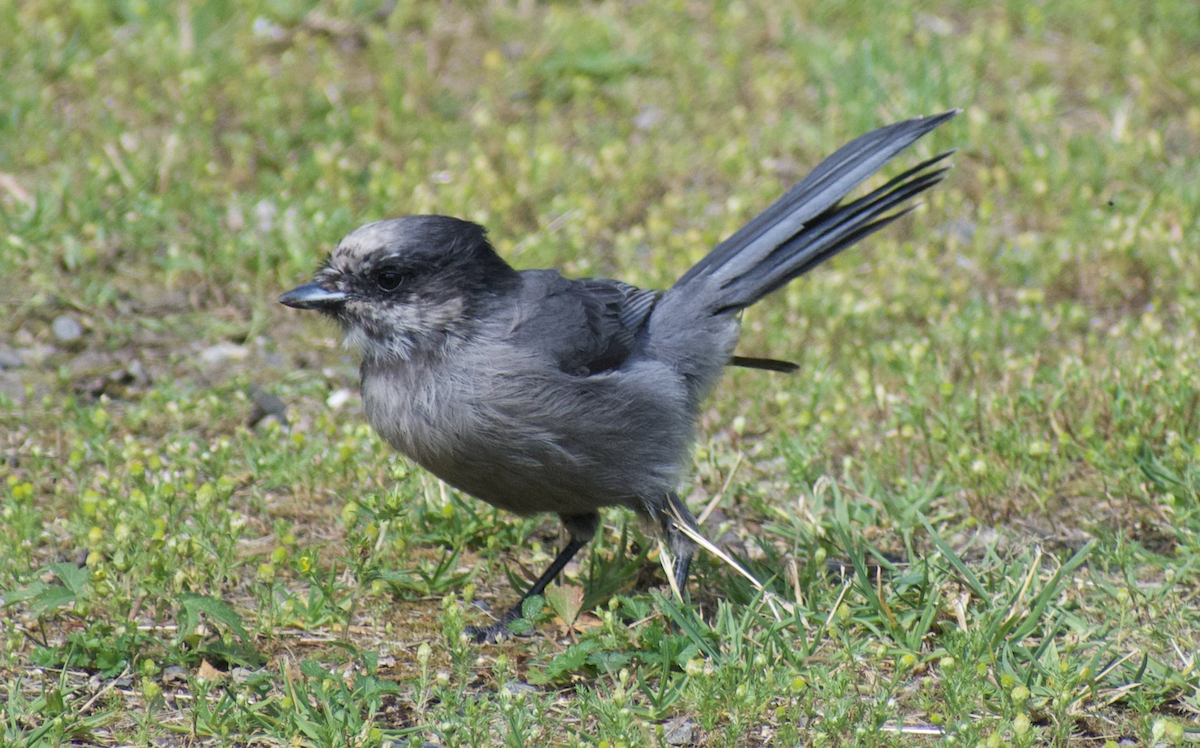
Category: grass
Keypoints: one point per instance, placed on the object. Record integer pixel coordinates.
(981, 495)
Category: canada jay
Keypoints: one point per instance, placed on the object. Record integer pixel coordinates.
(538, 393)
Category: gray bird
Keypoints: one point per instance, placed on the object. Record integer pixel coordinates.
(538, 393)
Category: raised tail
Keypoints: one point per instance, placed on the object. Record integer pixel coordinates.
(809, 224)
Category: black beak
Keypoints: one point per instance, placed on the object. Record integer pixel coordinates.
(312, 296)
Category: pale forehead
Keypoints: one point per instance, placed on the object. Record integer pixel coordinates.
(365, 240)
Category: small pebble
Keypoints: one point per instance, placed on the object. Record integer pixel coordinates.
(12, 387)
(241, 674)
(66, 329)
(265, 406)
(174, 674)
(138, 371)
(223, 352)
(91, 361)
(36, 355)
(679, 731)
(338, 398)
(10, 359)
(649, 117)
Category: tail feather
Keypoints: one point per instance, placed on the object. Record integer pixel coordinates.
(766, 364)
(808, 225)
(830, 233)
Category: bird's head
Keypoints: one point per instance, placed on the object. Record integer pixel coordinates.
(407, 285)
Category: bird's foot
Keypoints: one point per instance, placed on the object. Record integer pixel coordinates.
(496, 632)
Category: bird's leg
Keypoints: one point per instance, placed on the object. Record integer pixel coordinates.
(497, 630)
(682, 548)
(580, 529)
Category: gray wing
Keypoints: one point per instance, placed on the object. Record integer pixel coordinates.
(585, 326)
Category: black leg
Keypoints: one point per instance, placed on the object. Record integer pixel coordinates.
(580, 528)
(681, 546)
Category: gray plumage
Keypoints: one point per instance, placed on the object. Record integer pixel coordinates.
(537, 393)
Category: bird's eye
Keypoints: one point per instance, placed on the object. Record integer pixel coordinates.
(388, 279)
